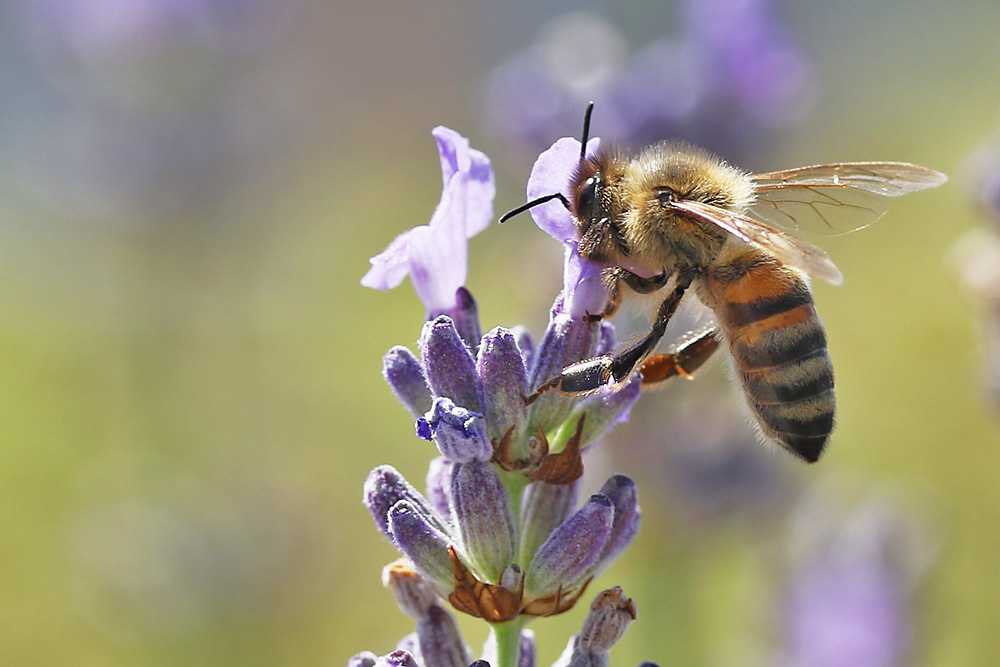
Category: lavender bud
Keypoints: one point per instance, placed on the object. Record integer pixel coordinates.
(604, 409)
(426, 546)
(543, 507)
(413, 594)
(481, 513)
(439, 485)
(440, 640)
(405, 376)
(460, 435)
(566, 341)
(625, 496)
(451, 370)
(573, 550)
(504, 383)
(411, 645)
(363, 659)
(397, 659)
(465, 315)
(384, 488)
(525, 344)
(610, 614)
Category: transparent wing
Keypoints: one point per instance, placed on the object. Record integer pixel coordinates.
(836, 198)
(784, 247)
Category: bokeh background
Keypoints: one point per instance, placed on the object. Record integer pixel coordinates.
(191, 392)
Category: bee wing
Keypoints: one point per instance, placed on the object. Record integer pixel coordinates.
(783, 247)
(836, 198)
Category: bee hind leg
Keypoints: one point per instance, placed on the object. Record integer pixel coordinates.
(684, 361)
(591, 374)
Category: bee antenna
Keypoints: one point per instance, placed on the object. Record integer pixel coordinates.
(586, 131)
(533, 203)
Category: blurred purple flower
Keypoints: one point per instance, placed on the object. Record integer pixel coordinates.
(976, 255)
(435, 256)
(853, 573)
(109, 121)
(731, 73)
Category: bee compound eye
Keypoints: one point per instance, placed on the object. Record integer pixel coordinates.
(666, 196)
(586, 198)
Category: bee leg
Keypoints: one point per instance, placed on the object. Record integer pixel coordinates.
(614, 277)
(591, 374)
(685, 360)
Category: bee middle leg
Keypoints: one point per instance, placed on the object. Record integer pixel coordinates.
(591, 374)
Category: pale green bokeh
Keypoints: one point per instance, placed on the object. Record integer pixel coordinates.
(190, 409)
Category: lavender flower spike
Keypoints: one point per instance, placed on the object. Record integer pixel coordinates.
(435, 256)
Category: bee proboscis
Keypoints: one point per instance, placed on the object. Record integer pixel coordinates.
(674, 217)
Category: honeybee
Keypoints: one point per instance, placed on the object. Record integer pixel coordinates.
(675, 217)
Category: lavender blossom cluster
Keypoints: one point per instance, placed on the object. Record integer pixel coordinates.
(500, 533)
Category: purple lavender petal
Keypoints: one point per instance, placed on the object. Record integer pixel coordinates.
(504, 383)
(439, 485)
(439, 260)
(459, 434)
(436, 255)
(450, 368)
(390, 266)
(469, 170)
(572, 551)
(551, 173)
(583, 288)
(384, 488)
(543, 507)
(440, 640)
(481, 512)
(402, 370)
(422, 542)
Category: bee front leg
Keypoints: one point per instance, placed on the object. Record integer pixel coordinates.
(684, 361)
(615, 276)
(591, 374)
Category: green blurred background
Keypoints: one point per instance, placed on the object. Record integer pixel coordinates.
(191, 393)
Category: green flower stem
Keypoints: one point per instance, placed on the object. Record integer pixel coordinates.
(508, 636)
(514, 483)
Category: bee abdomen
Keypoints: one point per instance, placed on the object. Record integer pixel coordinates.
(779, 347)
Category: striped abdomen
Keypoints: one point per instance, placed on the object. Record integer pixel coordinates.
(767, 316)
